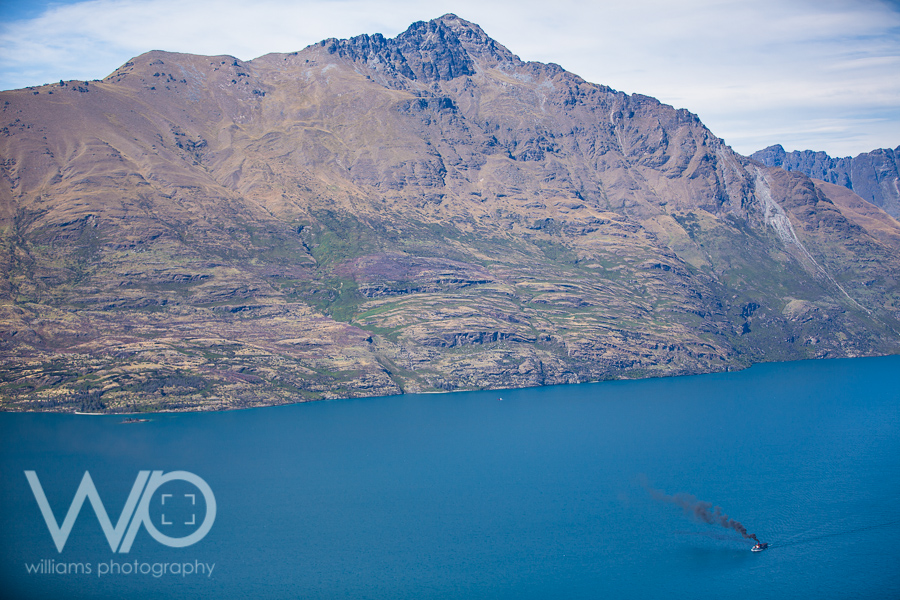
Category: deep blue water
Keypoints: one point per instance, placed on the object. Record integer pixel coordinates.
(539, 495)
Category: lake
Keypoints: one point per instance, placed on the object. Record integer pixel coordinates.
(533, 493)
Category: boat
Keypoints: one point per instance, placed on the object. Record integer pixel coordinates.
(759, 547)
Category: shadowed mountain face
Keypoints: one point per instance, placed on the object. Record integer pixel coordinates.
(372, 216)
(874, 176)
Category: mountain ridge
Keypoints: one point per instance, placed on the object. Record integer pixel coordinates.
(372, 216)
(874, 175)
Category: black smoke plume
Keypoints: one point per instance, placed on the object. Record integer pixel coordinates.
(702, 511)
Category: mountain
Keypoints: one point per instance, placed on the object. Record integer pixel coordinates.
(374, 216)
(874, 176)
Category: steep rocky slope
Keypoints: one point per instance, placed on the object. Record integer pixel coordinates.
(372, 216)
(874, 176)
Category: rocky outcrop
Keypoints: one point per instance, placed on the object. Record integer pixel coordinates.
(874, 176)
(375, 216)
(439, 50)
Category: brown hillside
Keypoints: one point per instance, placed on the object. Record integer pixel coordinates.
(372, 216)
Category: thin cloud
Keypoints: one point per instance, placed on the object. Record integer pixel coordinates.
(726, 60)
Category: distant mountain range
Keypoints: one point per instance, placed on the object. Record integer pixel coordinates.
(373, 216)
(874, 176)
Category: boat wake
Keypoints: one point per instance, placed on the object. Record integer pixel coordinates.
(824, 536)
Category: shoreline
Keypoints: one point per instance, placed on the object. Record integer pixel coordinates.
(147, 414)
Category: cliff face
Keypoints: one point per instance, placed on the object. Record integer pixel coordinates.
(874, 176)
(371, 216)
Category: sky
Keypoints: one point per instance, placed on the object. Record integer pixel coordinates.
(806, 74)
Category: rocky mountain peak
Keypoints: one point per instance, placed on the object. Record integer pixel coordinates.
(437, 50)
(476, 42)
(773, 156)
